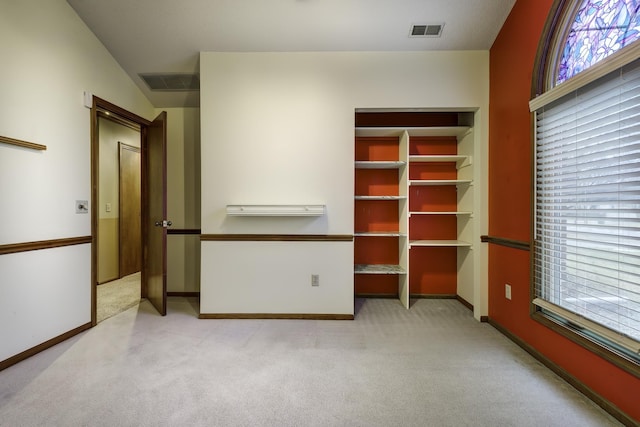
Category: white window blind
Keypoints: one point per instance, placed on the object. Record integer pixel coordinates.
(587, 208)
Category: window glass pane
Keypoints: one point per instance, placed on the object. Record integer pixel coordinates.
(600, 28)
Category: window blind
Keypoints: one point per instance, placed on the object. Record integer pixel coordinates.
(587, 207)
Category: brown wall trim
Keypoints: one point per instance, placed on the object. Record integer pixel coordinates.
(573, 381)
(184, 231)
(464, 302)
(277, 237)
(4, 364)
(184, 294)
(23, 144)
(276, 316)
(378, 296)
(43, 244)
(510, 243)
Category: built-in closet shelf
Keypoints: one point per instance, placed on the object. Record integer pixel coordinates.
(440, 182)
(434, 183)
(379, 234)
(275, 210)
(379, 164)
(456, 131)
(461, 161)
(378, 269)
(381, 197)
(440, 213)
(438, 243)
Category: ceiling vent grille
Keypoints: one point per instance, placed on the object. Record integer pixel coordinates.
(171, 82)
(426, 30)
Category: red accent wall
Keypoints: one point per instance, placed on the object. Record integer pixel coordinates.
(511, 66)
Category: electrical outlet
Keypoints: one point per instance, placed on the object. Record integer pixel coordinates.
(507, 291)
(315, 280)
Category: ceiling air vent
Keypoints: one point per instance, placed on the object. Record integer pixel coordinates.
(171, 82)
(426, 30)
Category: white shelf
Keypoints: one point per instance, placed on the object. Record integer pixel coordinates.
(379, 234)
(381, 197)
(379, 164)
(456, 131)
(439, 213)
(378, 269)
(461, 161)
(438, 243)
(275, 210)
(379, 131)
(440, 182)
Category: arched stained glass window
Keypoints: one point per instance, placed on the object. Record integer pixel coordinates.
(600, 28)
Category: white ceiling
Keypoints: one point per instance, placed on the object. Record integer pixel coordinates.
(165, 36)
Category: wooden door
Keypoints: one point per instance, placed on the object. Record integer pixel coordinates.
(130, 220)
(154, 272)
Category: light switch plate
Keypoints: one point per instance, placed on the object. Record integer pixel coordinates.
(82, 206)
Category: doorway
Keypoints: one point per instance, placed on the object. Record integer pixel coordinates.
(128, 212)
(119, 213)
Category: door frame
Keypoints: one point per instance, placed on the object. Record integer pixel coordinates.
(101, 106)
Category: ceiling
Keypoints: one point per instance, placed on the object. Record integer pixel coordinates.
(166, 36)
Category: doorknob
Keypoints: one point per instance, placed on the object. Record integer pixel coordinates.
(164, 223)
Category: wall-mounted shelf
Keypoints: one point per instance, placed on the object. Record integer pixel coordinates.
(438, 243)
(379, 234)
(379, 164)
(440, 213)
(380, 197)
(457, 131)
(275, 210)
(440, 182)
(460, 161)
(378, 269)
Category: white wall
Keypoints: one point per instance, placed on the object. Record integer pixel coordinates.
(49, 57)
(279, 128)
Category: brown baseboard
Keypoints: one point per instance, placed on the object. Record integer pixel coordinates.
(605, 404)
(184, 294)
(464, 302)
(385, 296)
(433, 296)
(276, 316)
(40, 347)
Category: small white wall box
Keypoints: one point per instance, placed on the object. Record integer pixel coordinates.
(275, 210)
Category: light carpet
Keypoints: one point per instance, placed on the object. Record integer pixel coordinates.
(117, 296)
(433, 365)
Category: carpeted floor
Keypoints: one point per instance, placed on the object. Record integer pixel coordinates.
(433, 365)
(117, 296)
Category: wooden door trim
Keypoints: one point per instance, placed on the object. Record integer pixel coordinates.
(99, 108)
